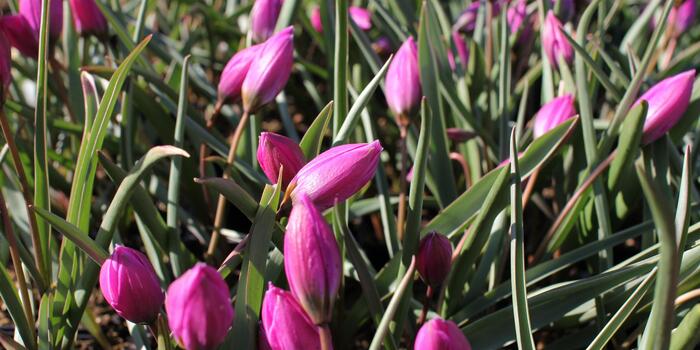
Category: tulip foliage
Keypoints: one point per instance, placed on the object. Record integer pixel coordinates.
(300, 175)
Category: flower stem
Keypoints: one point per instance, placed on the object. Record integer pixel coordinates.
(401, 215)
(426, 304)
(221, 205)
(324, 334)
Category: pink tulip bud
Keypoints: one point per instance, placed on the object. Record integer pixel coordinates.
(361, 16)
(459, 135)
(682, 17)
(553, 113)
(518, 21)
(31, 11)
(263, 18)
(20, 35)
(403, 88)
(462, 51)
(667, 101)
(382, 46)
(434, 258)
(315, 19)
(336, 174)
(555, 44)
(439, 334)
(466, 22)
(199, 308)
(269, 71)
(130, 285)
(234, 73)
(276, 151)
(286, 325)
(311, 260)
(88, 18)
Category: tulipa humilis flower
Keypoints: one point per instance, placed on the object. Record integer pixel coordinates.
(199, 308)
(31, 11)
(403, 88)
(234, 73)
(336, 174)
(88, 18)
(553, 113)
(434, 258)
(130, 285)
(382, 46)
(439, 334)
(361, 16)
(269, 71)
(556, 47)
(286, 325)
(518, 21)
(311, 260)
(466, 22)
(680, 19)
(667, 100)
(462, 52)
(263, 18)
(276, 151)
(20, 36)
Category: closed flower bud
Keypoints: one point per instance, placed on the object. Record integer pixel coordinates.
(680, 18)
(269, 71)
(130, 285)
(234, 73)
(459, 135)
(438, 334)
(311, 260)
(31, 11)
(667, 101)
(275, 152)
(286, 325)
(462, 51)
(20, 35)
(199, 308)
(361, 16)
(555, 45)
(403, 88)
(466, 22)
(263, 18)
(434, 258)
(336, 174)
(88, 18)
(518, 21)
(382, 46)
(553, 113)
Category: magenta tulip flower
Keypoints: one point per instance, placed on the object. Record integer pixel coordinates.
(336, 174)
(31, 11)
(312, 260)
(434, 258)
(263, 18)
(682, 17)
(518, 21)
(199, 308)
(382, 46)
(276, 151)
(130, 285)
(462, 52)
(234, 73)
(88, 18)
(438, 334)
(403, 88)
(269, 71)
(466, 22)
(555, 45)
(553, 113)
(361, 16)
(286, 325)
(667, 100)
(20, 35)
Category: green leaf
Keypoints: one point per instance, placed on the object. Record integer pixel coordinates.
(628, 146)
(396, 300)
(10, 298)
(73, 233)
(686, 336)
(311, 142)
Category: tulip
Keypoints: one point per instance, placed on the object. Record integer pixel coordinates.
(130, 285)
(336, 174)
(199, 308)
(31, 11)
(438, 334)
(382, 46)
(263, 18)
(667, 101)
(20, 35)
(434, 258)
(553, 113)
(467, 20)
(286, 325)
(311, 260)
(88, 18)
(361, 16)
(462, 51)
(275, 152)
(235, 72)
(459, 135)
(554, 42)
(682, 17)
(403, 88)
(518, 21)
(269, 71)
